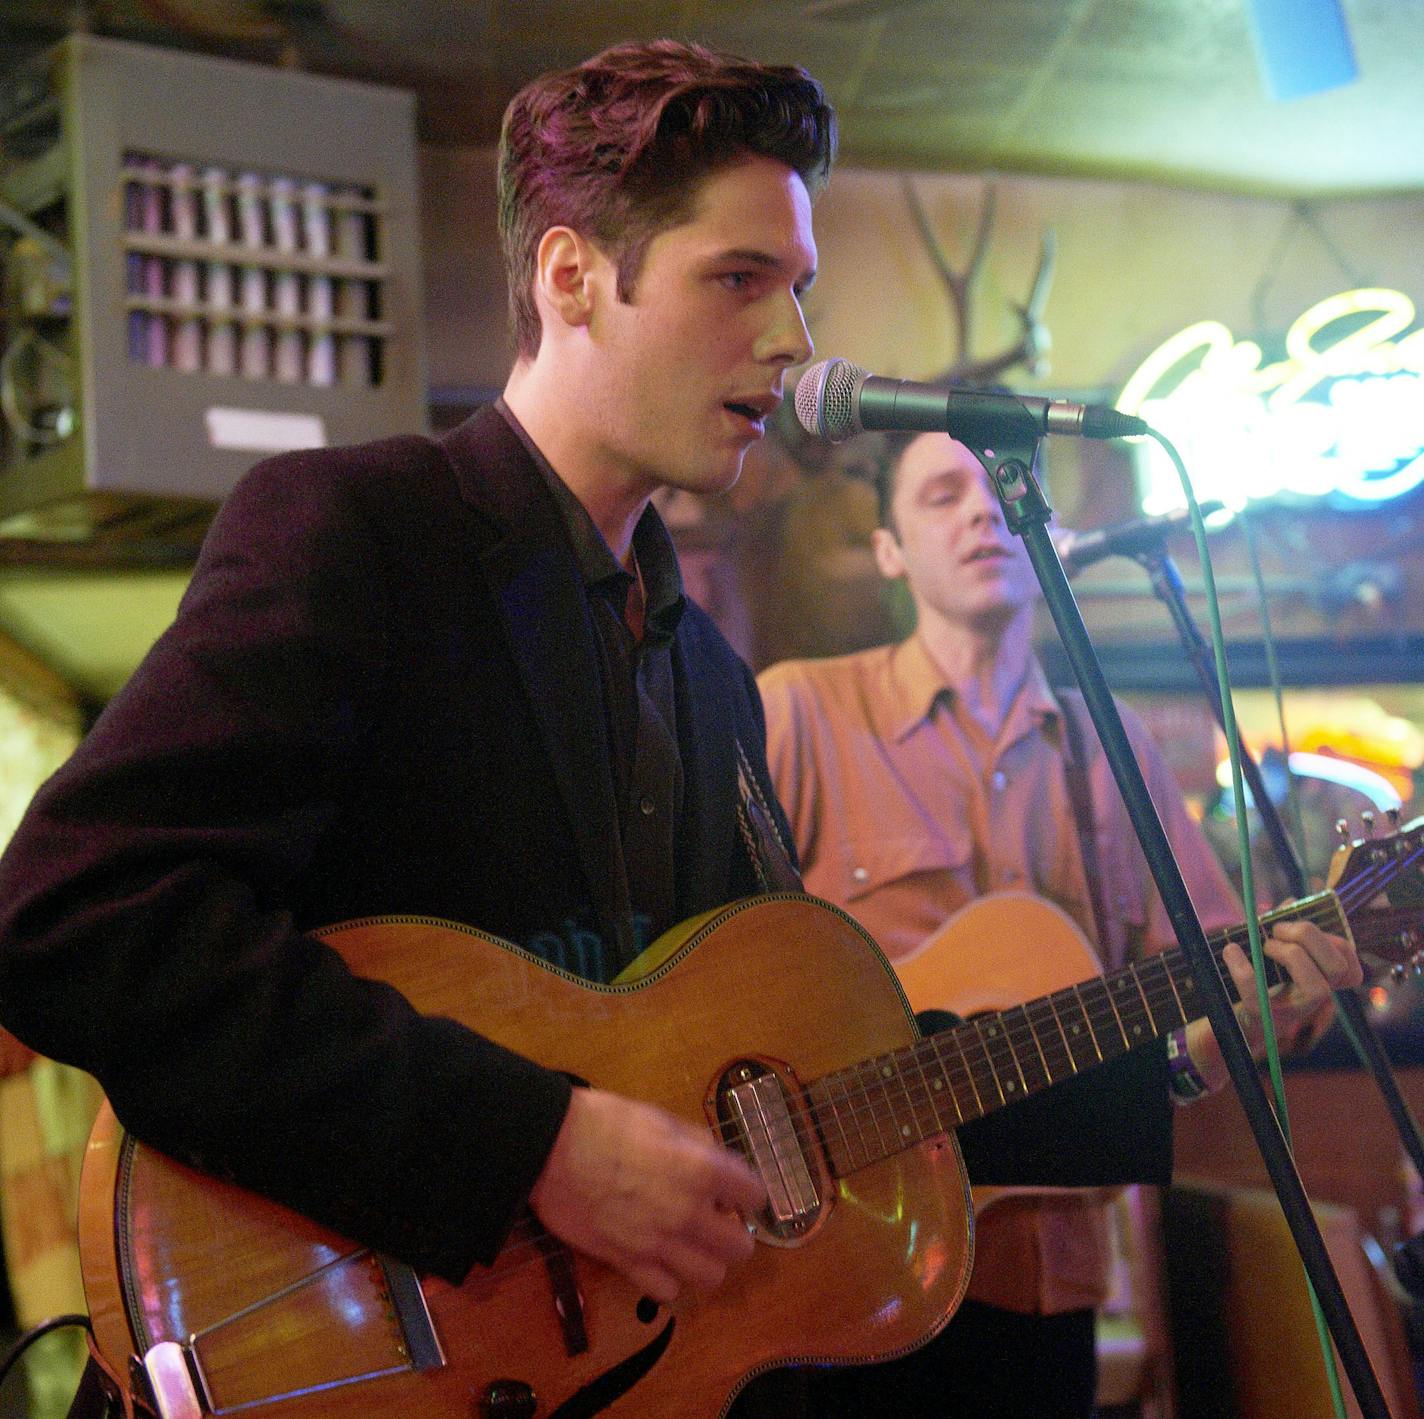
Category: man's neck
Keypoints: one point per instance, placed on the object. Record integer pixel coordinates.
(985, 665)
(608, 495)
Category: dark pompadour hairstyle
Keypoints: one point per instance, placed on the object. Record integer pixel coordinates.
(617, 147)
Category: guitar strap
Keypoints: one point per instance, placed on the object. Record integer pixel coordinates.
(1080, 795)
(770, 857)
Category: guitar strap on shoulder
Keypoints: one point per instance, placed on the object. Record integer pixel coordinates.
(1080, 795)
(770, 858)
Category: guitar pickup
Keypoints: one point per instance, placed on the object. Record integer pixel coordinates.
(758, 1107)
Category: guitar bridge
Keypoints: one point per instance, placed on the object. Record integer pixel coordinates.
(752, 1100)
(359, 1317)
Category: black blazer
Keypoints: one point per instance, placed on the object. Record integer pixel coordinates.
(380, 696)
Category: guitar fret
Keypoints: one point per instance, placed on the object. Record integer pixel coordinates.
(1011, 1079)
(1128, 1004)
(897, 1092)
(956, 1037)
(1088, 1021)
(930, 1086)
(819, 1113)
(1057, 1042)
(1164, 969)
(1142, 995)
(855, 1110)
(1117, 1017)
(1027, 1012)
(1033, 1074)
(983, 1044)
(944, 1076)
(1077, 1032)
(875, 1104)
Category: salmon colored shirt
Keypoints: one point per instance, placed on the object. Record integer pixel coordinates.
(904, 812)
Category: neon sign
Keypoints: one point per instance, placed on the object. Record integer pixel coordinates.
(1339, 417)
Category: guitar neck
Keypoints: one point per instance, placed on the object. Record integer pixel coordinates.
(884, 1105)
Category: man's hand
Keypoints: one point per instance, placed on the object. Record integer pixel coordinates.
(1317, 964)
(656, 1199)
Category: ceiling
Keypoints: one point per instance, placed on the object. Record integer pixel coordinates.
(1163, 89)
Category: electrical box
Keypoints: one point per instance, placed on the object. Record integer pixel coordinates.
(205, 262)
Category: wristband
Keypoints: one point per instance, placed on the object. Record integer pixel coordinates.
(1183, 1077)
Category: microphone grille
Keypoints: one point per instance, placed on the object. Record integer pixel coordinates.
(825, 399)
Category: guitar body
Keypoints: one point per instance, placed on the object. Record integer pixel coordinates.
(996, 952)
(783, 980)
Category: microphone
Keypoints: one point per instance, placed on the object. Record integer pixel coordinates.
(1077, 550)
(835, 399)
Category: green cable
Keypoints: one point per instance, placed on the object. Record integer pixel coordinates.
(1273, 669)
(1248, 882)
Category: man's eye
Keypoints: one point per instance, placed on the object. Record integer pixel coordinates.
(735, 280)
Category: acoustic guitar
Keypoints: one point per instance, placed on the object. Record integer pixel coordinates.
(775, 1023)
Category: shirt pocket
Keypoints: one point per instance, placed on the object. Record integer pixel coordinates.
(872, 864)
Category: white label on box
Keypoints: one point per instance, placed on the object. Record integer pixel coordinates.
(263, 430)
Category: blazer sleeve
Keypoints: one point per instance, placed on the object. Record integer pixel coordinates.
(145, 931)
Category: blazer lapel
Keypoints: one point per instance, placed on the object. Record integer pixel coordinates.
(535, 584)
(707, 739)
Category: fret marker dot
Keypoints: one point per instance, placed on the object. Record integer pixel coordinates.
(939, 1083)
(1077, 1029)
(1137, 1029)
(1011, 1086)
(991, 1032)
(886, 1071)
(905, 1131)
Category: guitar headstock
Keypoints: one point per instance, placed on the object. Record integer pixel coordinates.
(1379, 883)
(1389, 863)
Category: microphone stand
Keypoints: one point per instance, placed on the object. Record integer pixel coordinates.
(1006, 445)
(1167, 584)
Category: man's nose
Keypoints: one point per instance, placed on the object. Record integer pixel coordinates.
(787, 341)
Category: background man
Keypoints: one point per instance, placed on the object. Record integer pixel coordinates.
(921, 776)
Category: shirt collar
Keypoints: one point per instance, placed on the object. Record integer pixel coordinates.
(652, 545)
(916, 687)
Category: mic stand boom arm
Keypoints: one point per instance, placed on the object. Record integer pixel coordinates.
(1006, 447)
(1167, 584)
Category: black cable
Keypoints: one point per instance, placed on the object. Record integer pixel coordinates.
(35, 1333)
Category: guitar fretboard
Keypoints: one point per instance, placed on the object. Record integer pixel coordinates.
(895, 1101)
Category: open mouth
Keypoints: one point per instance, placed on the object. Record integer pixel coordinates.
(746, 411)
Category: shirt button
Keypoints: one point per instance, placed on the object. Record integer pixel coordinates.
(999, 780)
(647, 806)
(859, 874)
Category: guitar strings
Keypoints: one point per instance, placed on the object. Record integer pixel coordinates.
(529, 1244)
(1152, 980)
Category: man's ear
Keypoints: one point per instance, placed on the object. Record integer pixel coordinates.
(564, 266)
(888, 557)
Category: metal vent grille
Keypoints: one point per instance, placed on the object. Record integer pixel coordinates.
(257, 274)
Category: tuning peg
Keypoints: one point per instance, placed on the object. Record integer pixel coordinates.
(1396, 971)
(1342, 830)
(1368, 819)
(1393, 815)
